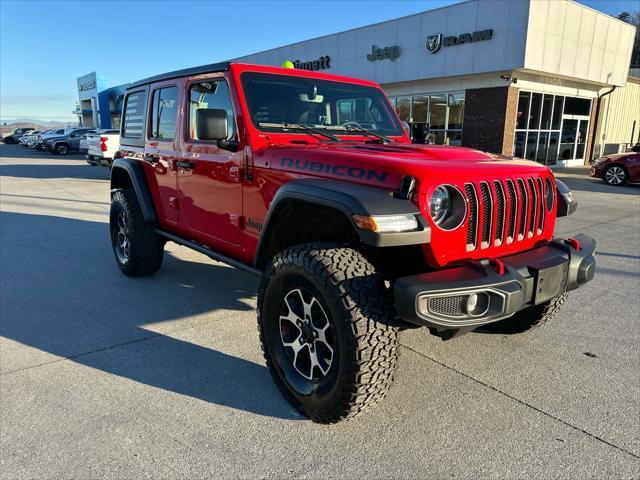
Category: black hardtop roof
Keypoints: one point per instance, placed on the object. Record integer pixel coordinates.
(212, 67)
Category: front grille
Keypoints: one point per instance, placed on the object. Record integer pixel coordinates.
(473, 216)
(500, 213)
(487, 214)
(453, 306)
(504, 211)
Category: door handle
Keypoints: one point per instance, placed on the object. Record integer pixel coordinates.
(187, 165)
(151, 158)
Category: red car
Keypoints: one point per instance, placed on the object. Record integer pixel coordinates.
(618, 169)
(310, 181)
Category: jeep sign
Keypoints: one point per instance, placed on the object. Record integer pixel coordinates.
(436, 40)
(379, 53)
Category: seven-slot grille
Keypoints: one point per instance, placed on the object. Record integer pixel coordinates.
(504, 211)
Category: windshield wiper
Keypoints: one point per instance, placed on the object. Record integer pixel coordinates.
(364, 131)
(297, 126)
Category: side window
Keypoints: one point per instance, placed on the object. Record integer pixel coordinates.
(165, 111)
(134, 115)
(210, 95)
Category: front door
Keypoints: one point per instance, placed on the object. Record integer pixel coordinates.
(209, 177)
(573, 139)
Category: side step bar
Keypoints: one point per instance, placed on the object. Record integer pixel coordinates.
(208, 252)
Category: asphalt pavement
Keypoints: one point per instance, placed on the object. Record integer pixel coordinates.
(104, 376)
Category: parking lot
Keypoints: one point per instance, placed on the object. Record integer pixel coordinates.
(108, 376)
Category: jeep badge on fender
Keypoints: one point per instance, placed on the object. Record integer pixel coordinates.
(355, 232)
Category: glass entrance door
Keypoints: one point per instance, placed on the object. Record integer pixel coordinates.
(581, 140)
(573, 139)
(568, 139)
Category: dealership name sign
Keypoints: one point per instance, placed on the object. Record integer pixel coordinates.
(322, 63)
(435, 41)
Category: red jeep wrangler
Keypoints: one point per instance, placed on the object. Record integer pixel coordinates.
(310, 181)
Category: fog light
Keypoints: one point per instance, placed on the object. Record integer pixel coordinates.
(472, 302)
(477, 304)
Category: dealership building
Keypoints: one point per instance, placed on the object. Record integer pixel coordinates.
(98, 105)
(523, 78)
(544, 80)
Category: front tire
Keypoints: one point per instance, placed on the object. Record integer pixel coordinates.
(62, 149)
(615, 175)
(530, 317)
(327, 332)
(137, 247)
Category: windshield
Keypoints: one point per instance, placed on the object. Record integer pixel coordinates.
(275, 101)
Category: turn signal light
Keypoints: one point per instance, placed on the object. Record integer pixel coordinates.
(386, 223)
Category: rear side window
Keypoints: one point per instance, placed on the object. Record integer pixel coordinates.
(165, 111)
(133, 126)
(214, 94)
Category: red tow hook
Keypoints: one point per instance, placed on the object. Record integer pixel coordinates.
(574, 243)
(497, 265)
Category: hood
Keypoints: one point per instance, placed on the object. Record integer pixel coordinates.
(385, 165)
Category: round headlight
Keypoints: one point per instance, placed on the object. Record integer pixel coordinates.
(447, 207)
(549, 194)
(440, 204)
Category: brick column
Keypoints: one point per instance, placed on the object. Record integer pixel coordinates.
(489, 119)
(510, 121)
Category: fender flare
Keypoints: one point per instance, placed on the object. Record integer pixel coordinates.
(566, 204)
(135, 172)
(349, 199)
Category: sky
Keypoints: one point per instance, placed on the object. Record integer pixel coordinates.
(46, 45)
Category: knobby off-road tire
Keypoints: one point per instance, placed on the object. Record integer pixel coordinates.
(352, 306)
(530, 317)
(137, 247)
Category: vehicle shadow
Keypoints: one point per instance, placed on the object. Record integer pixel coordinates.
(19, 151)
(63, 294)
(81, 171)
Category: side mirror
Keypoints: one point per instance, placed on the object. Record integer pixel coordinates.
(211, 124)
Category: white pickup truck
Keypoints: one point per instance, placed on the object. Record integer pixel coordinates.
(102, 146)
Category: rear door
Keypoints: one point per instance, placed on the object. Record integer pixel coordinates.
(209, 177)
(160, 150)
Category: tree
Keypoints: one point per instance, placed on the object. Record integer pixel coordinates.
(633, 19)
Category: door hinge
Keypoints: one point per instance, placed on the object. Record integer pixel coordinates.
(237, 221)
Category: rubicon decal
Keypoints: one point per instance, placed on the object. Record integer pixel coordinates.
(332, 169)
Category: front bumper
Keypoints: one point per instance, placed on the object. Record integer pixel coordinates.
(502, 287)
(596, 171)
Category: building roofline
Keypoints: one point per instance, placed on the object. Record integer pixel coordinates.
(577, 2)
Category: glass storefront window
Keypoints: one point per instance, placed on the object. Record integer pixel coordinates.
(403, 107)
(522, 117)
(433, 119)
(456, 111)
(547, 105)
(534, 115)
(532, 142)
(519, 143)
(552, 152)
(557, 112)
(420, 109)
(551, 127)
(577, 106)
(438, 112)
(541, 154)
